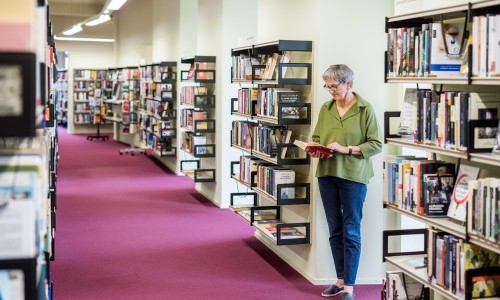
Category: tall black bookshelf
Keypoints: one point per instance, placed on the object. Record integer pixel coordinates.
(197, 117)
(158, 112)
(272, 109)
(466, 149)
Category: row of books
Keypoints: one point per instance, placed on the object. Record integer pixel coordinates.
(269, 99)
(189, 116)
(242, 133)
(82, 119)
(89, 74)
(260, 138)
(242, 66)
(147, 89)
(191, 140)
(448, 258)
(202, 71)
(128, 74)
(248, 167)
(267, 64)
(483, 209)
(425, 51)
(158, 91)
(83, 84)
(442, 119)
(246, 98)
(81, 96)
(157, 108)
(268, 178)
(485, 40)
(265, 140)
(82, 107)
(189, 93)
(154, 72)
(155, 143)
(398, 285)
(420, 185)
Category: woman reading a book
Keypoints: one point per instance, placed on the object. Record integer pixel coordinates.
(347, 125)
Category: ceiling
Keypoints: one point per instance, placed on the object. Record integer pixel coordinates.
(66, 13)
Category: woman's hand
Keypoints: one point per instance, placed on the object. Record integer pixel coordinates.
(338, 148)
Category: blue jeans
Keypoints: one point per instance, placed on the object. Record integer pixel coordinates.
(343, 202)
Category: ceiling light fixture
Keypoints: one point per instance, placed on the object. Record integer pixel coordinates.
(73, 30)
(100, 20)
(78, 39)
(115, 4)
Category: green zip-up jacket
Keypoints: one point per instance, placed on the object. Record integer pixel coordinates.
(358, 127)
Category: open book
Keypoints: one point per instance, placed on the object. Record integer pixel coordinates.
(313, 147)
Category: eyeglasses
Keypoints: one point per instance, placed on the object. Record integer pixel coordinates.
(332, 87)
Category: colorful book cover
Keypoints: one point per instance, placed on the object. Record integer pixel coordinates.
(460, 196)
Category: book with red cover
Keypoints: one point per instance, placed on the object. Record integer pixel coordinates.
(314, 147)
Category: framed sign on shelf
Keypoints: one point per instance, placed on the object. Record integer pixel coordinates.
(482, 135)
(17, 94)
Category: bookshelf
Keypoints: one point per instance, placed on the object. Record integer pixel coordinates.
(61, 97)
(445, 127)
(128, 95)
(197, 117)
(271, 109)
(87, 83)
(28, 165)
(157, 109)
(111, 102)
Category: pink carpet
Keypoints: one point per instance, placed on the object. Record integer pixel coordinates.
(129, 229)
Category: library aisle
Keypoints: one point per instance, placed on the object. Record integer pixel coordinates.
(129, 229)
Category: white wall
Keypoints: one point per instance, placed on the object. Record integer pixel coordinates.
(341, 33)
(165, 34)
(356, 37)
(134, 33)
(235, 26)
(188, 27)
(85, 55)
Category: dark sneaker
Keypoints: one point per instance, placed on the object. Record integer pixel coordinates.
(348, 296)
(332, 291)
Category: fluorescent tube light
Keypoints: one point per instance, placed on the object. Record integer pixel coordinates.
(100, 20)
(73, 30)
(115, 4)
(79, 39)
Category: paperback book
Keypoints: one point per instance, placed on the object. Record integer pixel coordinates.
(457, 208)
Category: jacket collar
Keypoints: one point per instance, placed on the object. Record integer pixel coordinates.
(360, 102)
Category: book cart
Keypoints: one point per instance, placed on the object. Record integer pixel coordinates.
(445, 138)
(197, 118)
(157, 108)
(272, 108)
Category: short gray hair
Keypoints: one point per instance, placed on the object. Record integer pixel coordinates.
(339, 73)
